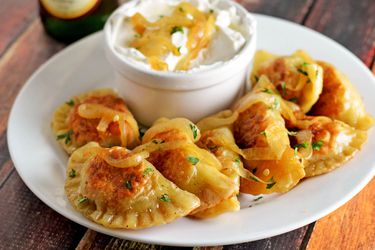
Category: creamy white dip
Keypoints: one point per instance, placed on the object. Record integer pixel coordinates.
(229, 38)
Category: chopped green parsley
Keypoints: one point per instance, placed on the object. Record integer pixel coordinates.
(294, 99)
(302, 145)
(66, 136)
(128, 184)
(283, 87)
(258, 198)
(256, 78)
(147, 171)
(317, 145)
(177, 29)
(303, 72)
(82, 200)
(70, 102)
(271, 183)
(194, 130)
(72, 173)
(165, 198)
(238, 160)
(193, 160)
(268, 91)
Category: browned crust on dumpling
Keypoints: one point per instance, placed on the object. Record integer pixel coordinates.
(117, 189)
(85, 130)
(330, 100)
(111, 184)
(170, 135)
(250, 124)
(172, 164)
(278, 73)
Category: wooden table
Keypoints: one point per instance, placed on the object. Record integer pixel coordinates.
(26, 223)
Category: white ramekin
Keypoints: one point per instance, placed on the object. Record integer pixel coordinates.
(152, 94)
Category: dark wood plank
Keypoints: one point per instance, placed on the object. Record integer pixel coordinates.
(351, 23)
(291, 240)
(32, 49)
(350, 227)
(287, 9)
(94, 241)
(26, 223)
(24, 56)
(15, 16)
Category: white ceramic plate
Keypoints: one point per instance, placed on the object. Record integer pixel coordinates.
(81, 67)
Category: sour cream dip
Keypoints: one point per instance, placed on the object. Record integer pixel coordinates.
(228, 38)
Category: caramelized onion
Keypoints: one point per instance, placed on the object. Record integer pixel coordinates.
(222, 119)
(155, 42)
(130, 161)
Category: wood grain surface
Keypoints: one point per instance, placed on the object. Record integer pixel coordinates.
(27, 223)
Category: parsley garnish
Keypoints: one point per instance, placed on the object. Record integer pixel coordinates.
(161, 16)
(66, 136)
(317, 145)
(177, 29)
(271, 184)
(147, 171)
(82, 200)
(70, 102)
(263, 133)
(254, 179)
(294, 99)
(268, 91)
(257, 199)
(181, 9)
(72, 173)
(303, 72)
(179, 49)
(211, 11)
(128, 184)
(137, 35)
(193, 160)
(302, 145)
(194, 130)
(283, 87)
(165, 198)
(256, 78)
(298, 146)
(238, 160)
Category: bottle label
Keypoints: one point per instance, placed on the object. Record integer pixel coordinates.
(69, 9)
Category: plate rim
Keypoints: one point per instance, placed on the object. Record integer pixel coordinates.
(231, 240)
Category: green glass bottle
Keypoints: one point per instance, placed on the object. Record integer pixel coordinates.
(69, 20)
